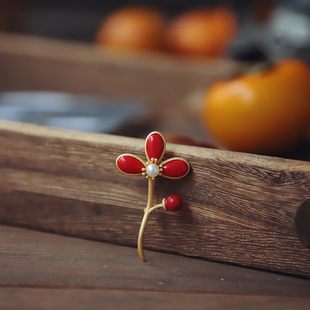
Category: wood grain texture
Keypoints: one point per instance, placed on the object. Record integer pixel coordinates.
(239, 208)
(16, 298)
(32, 259)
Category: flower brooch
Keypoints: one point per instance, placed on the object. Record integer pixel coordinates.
(172, 168)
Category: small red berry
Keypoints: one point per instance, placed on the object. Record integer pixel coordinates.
(173, 202)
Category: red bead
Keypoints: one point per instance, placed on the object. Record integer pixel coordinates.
(155, 146)
(130, 164)
(177, 168)
(173, 202)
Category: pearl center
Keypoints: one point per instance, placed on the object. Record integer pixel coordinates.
(152, 170)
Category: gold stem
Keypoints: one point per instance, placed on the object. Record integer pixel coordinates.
(145, 218)
(155, 207)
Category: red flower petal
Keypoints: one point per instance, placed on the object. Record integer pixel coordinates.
(130, 164)
(155, 146)
(175, 168)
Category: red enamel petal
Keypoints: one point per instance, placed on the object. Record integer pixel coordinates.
(155, 146)
(175, 169)
(130, 164)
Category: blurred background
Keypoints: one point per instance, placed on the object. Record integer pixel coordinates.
(287, 22)
(128, 67)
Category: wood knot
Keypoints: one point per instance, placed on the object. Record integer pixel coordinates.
(278, 178)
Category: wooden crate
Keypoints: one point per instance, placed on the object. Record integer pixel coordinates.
(35, 63)
(239, 208)
(163, 82)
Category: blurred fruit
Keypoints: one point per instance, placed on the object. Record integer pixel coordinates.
(202, 32)
(263, 112)
(133, 28)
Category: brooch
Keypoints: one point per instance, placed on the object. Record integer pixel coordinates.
(172, 168)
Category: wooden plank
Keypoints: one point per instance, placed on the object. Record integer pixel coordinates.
(16, 298)
(32, 259)
(163, 82)
(239, 208)
(36, 63)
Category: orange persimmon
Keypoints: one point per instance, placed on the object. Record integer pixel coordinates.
(202, 32)
(133, 28)
(262, 112)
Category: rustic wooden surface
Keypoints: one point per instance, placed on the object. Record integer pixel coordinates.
(239, 208)
(47, 271)
(12, 298)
